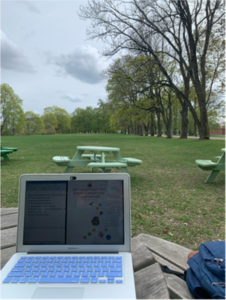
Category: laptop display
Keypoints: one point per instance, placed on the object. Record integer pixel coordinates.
(85, 212)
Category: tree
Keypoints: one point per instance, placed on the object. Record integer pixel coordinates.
(12, 114)
(33, 123)
(183, 27)
(63, 124)
(50, 122)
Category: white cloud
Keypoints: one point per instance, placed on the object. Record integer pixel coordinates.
(30, 6)
(71, 98)
(84, 64)
(12, 57)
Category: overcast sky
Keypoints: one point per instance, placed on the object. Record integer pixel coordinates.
(46, 57)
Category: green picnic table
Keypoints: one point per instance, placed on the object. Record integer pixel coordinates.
(7, 150)
(96, 161)
(214, 167)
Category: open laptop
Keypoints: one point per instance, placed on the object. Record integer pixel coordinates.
(73, 239)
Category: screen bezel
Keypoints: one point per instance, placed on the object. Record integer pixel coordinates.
(126, 247)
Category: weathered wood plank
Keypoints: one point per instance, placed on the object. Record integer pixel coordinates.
(177, 287)
(8, 221)
(174, 253)
(6, 254)
(150, 283)
(8, 211)
(164, 262)
(142, 258)
(8, 237)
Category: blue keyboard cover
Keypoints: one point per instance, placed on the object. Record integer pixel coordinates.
(67, 269)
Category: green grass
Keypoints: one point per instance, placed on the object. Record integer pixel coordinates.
(170, 198)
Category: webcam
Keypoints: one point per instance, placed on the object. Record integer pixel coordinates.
(73, 178)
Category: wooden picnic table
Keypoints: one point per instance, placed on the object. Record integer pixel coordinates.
(214, 167)
(148, 252)
(6, 150)
(96, 161)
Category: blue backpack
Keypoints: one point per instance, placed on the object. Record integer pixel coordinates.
(206, 276)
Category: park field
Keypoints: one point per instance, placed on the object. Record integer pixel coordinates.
(170, 198)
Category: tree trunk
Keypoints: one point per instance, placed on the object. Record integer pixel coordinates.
(152, 124)
(146, 129)
(159, 124)
(184, 121)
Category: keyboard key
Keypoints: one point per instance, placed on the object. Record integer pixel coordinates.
(94, 280)
(7, 279)
(29, 274)
(17, 269)
(115, 269)
(38, 274)
(74, 269)
(20, 265)
(69, 274)
(85, 274)
(53, 274)
(111, 265)
(82, 269)
(45, 274)
(15, 280)
(119, 281)
(33, 280)
(102, 281)
(118, 264)
(97, 269)
(101, 274)
(23, 280)
(111, 280)
(77, 274)
(114, 274)
(89, 270)
(105, 269)
(58, 280)
(16, 274)
(84, 280)
(93, 274)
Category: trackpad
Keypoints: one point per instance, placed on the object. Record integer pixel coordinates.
(58, 293)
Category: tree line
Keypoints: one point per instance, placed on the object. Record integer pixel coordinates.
(181, 44)
(108, 117)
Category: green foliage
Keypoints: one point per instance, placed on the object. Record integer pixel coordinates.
(91, 119)
(12, 114)
(63, 124)
(50, 122)
(33, 123)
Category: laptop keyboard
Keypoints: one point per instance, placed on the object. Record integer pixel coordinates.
(67, 269)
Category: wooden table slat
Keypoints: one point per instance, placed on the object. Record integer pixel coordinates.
(8, 221)
(8, 211)
(8, 237)
(6, 254)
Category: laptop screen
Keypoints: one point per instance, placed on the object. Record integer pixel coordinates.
(84, 212)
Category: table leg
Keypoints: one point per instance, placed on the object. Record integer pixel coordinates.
(212, 176)
(124, 170)
(5, 157)
(77, 156)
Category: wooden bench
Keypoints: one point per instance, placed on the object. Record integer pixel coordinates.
(148, 252)
(215, 167)
(107, 166)
(61, 160)
(4, 153)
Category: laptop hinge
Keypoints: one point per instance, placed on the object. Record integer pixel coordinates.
(82, 253)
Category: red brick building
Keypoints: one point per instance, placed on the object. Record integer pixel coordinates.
(221, 131)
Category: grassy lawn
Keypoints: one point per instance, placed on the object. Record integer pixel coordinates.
(170, 199)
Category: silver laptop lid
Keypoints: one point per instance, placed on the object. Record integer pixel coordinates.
(74, 213)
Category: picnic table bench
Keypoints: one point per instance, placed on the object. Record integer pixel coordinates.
(7, 150)
(148, 252)
(97, 161)
(214, 167)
